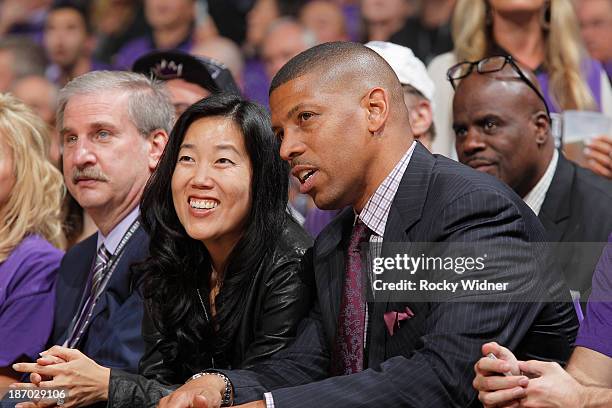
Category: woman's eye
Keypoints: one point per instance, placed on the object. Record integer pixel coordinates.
(185, 159)
(224, 160)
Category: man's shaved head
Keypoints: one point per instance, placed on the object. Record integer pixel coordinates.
(342, 63)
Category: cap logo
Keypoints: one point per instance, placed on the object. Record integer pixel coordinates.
(167, 70)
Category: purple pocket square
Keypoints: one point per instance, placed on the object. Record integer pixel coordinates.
(393, 319)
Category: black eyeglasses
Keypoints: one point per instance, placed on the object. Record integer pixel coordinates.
(487, 66)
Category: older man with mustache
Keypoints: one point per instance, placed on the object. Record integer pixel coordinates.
(114, 127)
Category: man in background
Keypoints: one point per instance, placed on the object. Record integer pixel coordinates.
(69, 42)
(595, 18)
(502, 128)
(19, 57)
(40, 94)
(187, 78)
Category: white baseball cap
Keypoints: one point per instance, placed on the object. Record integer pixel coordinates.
(409, 69)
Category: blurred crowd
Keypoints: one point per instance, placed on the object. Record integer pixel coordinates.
(70, 71)
(44, 44)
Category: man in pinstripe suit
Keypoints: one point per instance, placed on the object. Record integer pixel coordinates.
(339, 111)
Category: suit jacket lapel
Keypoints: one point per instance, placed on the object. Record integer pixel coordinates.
(555, 210)
(78, 284)
(329, 254)
(406, 210)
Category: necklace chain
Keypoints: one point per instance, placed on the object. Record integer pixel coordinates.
(212, 358)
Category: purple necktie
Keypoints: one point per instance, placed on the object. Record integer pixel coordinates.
(347, 356)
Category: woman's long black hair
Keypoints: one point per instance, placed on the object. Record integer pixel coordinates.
(178, 264)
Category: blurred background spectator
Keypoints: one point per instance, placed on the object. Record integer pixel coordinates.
(325, 19)
(225, 51)
(25, 17)
(383, 18)
(172, 27)
(188, 78)
(69, 43)
(40, 95)
(19, 57)
(428, 33)
(116, 22)
(285, 39)
(595, 18)
(258, 21)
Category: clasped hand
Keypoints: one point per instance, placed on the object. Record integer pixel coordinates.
(84, 380)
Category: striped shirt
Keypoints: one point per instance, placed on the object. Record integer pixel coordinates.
(535, 198)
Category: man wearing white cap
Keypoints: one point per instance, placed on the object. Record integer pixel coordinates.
(417, 85)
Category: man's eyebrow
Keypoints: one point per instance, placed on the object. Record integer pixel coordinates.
(100, 125)
(293, 110)
(91, 126)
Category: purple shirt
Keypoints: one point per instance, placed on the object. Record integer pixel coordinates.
(591, 70)
(608, 68)
(596, 330)
(130, 52)
(256, 82)
(317, 219)
(27, 299)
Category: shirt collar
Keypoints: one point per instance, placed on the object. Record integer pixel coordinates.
(535, 198)
(376, 210)
(112, 240)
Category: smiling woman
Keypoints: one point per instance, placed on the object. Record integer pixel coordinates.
(225, 287)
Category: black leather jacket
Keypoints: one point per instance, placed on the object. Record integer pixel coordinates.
(283, 296)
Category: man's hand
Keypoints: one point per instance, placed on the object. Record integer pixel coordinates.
(85, 381)
(598, 156)
(553, 387)
(203, 392)
(494, 388)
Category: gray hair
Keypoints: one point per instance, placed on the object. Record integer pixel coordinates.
(149, 106)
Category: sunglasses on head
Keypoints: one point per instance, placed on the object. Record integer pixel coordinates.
(489, 65)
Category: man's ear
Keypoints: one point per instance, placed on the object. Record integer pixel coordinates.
(157, 143)
(541, 123)
(420, 117)
(376, 103)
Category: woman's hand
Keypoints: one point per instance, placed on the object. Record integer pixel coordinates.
(85, 381)
(598, 156)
